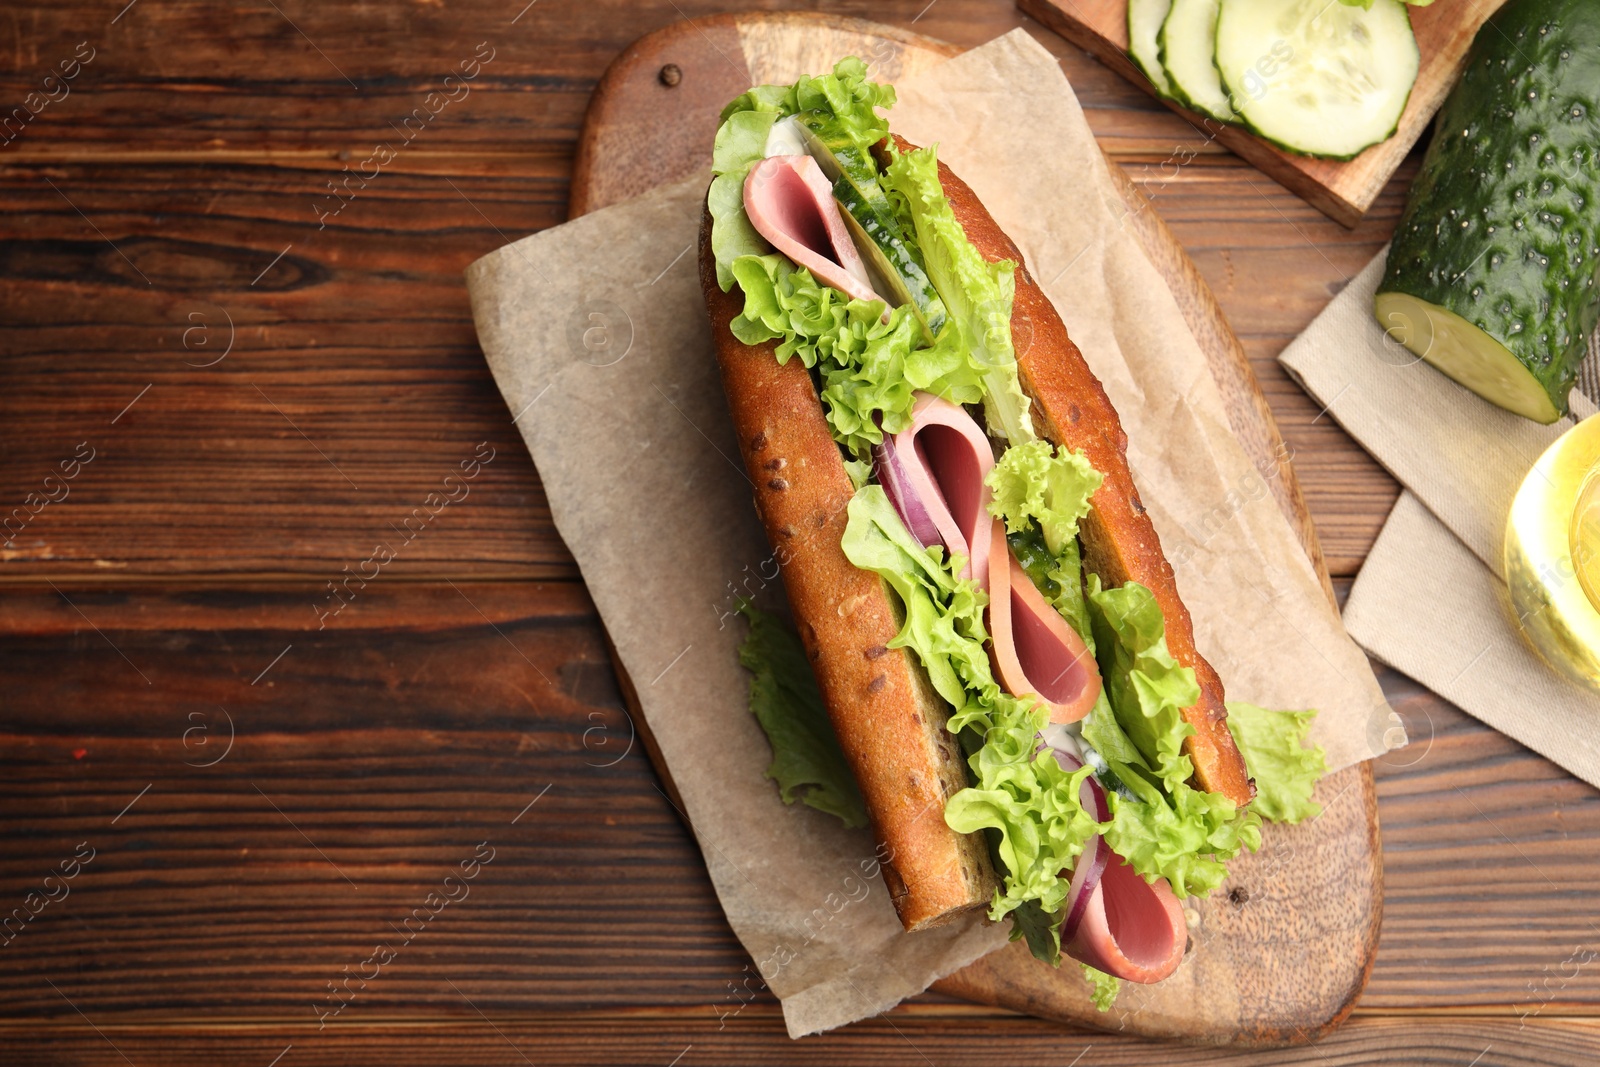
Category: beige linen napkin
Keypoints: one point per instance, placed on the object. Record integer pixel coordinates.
(596, 333)
(1429, 600)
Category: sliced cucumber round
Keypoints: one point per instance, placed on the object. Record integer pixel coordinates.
(1144, 46)
(1318, 78)
(1465, 353)
(1188, 46)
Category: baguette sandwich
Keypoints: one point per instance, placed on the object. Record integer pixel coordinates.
(997, 637)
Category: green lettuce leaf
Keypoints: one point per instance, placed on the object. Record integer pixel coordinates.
(806, 761)
(740, 144)
(1275, 752)
(1147, 687)
(1027, 799)
(1179, 833)
(870, 369)
(1041, 929)
(742, 138)
(1105, 736)
(1368, 3)
(977, 294)
(943, 614)
(1020, 793)
(1170, 829)
(1035, 481)
(1105, 986)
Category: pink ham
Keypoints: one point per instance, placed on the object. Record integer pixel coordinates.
(1129, 928)
(1115, 920)
(1035, 651)
(790, 203)
(934, 471)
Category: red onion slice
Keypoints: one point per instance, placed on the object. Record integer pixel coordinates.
(933, 471)
(1091, 865)
(907, 504)
(1085, 880)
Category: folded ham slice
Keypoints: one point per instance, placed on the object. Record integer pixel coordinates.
(1035, 651)
(1129, 928)
(790, 203)
(933, 471)
(1115, 920)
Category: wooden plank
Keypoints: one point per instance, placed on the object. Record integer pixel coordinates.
(297, 77)
(911, 1035)
(209, 913)
(1344, 190)
(368, 761)
(413, 728)
(353, 385)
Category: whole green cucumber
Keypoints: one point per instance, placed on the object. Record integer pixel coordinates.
(1492, 274)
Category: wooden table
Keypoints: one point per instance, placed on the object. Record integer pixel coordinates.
(212, 810)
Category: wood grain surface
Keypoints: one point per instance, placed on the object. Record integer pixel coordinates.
(1289, 968)
(1344, 189)
(444, 698)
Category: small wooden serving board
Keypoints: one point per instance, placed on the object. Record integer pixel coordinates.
(1280, 953)
(1341, 190)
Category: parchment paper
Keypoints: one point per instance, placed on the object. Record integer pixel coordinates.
(597, 336)
(1431, 598)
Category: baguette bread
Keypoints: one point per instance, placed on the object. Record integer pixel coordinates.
(890, 723)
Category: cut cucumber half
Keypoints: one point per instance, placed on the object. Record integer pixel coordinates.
(1502, 226)
(1188, 46)
(1465, 353)
(1318, 78)
(1144, 45)
(892, 261)
(836, 153)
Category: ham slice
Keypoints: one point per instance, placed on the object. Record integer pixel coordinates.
(1130, 928)
(1035, 651)
(933, 472)
(939, 462)
(1115, 920)
(790, 203)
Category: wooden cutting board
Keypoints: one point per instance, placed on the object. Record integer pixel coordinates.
(1342, 190)
(1280, 952)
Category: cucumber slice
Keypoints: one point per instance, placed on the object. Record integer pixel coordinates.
(1465, 353)
(1188, 46)
(892, 261)
(836, 153)
(1144, 47)
(1318, 78)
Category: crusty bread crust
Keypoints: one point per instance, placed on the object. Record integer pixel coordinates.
(1119, 541)
(890, 723)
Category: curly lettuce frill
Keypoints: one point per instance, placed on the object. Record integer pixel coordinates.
(870, 368)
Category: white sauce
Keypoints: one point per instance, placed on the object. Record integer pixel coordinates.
(786, 138)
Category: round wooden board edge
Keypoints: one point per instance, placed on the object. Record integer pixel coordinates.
(1248, 411)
